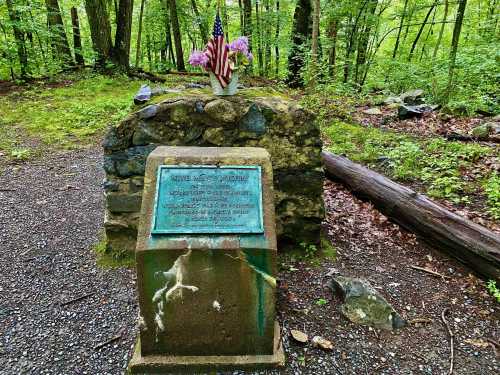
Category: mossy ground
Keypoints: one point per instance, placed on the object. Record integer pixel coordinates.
(442, 169)
(66, 114)
(106, 259)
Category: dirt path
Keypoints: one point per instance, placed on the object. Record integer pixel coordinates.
(51, 214)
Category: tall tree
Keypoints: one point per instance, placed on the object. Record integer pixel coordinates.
(441, 30)
(19, 37)
(401, 21)
(301, 32)
(58, 38)
(121, 50)
(242, 19)
(247, 19)
(421, 29)
(77, 41)
(201, 25)
(174, 19)
(100, 29)
(454, 46)
(277, 40)
(332, 53)
(258, 33)
(363, 38)
(267, 41)
(139, 32)
(315, 40)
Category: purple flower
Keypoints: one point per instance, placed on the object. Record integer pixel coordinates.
(199, 58)
(240, 45)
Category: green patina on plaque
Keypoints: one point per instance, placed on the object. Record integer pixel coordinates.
(208, 199)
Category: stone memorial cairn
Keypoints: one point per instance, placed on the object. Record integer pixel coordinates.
(206, 262)
(253, 118)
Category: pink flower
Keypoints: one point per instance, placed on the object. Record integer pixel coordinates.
(240, 45)
(199, 58)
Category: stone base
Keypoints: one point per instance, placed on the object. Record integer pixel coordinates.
(159, 364)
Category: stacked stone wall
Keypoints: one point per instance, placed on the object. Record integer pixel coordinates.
(194, 118)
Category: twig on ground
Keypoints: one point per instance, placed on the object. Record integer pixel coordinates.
(421, 320)
(336, 367)
(494, 344)
(434, 273)
(110, 341)
(450, 333)
(383, 365)
(7, 189)
(77, 299)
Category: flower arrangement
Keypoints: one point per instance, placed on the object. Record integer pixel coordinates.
(238, 56)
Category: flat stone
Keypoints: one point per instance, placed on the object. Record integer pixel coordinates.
(143, 95)
(129, 162)
(145, 134)
(148, 112)
(221, 110)
(253, 121)
(123, 202)
(372, 111)
(364, 305)
(393, 100)
(412, 97)
(486, 131)
(214, 136)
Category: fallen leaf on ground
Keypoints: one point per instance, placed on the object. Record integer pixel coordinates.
(299, 336)
(322, 343)
(478, 343)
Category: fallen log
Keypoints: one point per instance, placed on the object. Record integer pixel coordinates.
(470, 243)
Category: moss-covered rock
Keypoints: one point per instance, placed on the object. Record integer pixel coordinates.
(258, 117)
(364, 305)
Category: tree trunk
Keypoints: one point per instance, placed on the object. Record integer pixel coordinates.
(139, 33)
(242, 18)
(121, 50)
(199, 21)
(19, 37)
(174, 19)
(441, 30)
(410, 55)
(267, 40)
(454, 46)
(301, 32)
(100, 29)
(396, 45)
(350, 44)
(332, 53)
(470, 243)
(314, 41)
(247, 19)
(9, 57)
(259, 37)
(77, 41)
(225, 20)
(57, 34)
(363, 39)
(277, 40)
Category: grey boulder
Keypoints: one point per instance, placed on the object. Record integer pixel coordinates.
(364, 305)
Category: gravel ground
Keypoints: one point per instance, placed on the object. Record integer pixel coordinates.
(51, 214)
(57, 307)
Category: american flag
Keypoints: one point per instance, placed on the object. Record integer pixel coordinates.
(218, 54)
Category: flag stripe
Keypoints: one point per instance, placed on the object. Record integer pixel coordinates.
(218, 54)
